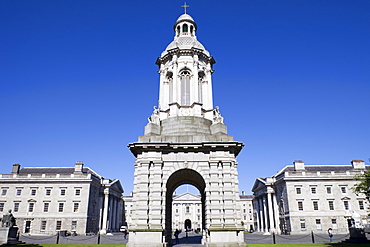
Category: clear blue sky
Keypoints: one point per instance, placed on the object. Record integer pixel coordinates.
(78, 80)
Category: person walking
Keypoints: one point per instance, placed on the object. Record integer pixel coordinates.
(177, 232)
(330, 233)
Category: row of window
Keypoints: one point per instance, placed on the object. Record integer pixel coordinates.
(33, 191)
(31, 207)
(313, 189)
(187, 210)
(346, 204)
(58, 225)
(318, 223)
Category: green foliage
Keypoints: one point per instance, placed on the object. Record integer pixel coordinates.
(363, 187)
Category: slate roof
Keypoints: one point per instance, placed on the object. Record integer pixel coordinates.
(322, 168)
(55, 170)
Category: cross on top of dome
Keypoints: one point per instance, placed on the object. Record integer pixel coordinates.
(185, 6)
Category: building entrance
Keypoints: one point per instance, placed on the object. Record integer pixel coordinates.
(187, 225)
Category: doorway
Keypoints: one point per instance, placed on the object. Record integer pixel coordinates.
(28, 226)
(187, 225)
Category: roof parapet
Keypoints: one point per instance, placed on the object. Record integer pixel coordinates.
(298, 165)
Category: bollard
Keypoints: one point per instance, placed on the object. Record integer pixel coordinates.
(313, 237)
(273, 238)
(57, 238)
(98, 237)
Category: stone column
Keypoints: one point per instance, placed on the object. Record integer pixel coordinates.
(265, 212)
(276, 213)
(260, 199)
(270, 210)
(105, 211)
(213, 207)
(155, 197)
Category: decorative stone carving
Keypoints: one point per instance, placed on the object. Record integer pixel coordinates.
(154, 118)
(217, 118)
(8, 219)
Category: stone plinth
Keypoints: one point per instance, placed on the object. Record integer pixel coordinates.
(146, 238)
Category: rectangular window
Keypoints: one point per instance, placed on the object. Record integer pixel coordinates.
(74, 225)
(187, 209)
(75, 207)
(33, 192)
(318, 224)
(331, 205)
(77, 192)
(19, 192)
(298, 190)
(303, 224)
(16, 206)
(343, 189)
(334, 223)
(61, 207)
(328, 190)
(177, 210)
(346, 205)
(58, 225)
(46, 207)
(361, 205)
(48, 192)
(31, 206)
(62, 192)
(315, 205)
(313, 190)
(3, 192)
(300, 206)
(43, 225)
(1, 206)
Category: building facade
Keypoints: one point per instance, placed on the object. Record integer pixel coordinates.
(45, 200)
(301, 198)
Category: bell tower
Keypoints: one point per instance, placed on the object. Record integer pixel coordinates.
(185, 69)
(185, 142)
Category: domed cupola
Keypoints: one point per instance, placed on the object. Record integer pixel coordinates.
(185, 25)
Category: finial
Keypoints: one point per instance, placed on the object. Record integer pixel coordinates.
(185, 6)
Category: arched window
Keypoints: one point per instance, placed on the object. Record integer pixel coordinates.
(185, 28)
(191, 29)
(185, 87)
(178, 30)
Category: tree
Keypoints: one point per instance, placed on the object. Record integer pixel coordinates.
(363, 187)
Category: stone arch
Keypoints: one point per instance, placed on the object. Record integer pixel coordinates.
(180, 177)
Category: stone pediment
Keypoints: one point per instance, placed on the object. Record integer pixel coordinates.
(259, 183)
(186, 197)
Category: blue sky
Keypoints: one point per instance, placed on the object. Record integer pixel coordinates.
(78, 80)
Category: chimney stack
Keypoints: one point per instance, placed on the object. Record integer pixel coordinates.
(15, 169)
(298, 165)
(358, 164)
(78, 167)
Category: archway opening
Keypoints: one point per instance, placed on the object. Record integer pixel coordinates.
(187, 225)
(190, 204)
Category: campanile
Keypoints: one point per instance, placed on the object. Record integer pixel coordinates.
(185, 142)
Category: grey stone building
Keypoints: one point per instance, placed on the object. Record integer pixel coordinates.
(302, 198)
(76, 199)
